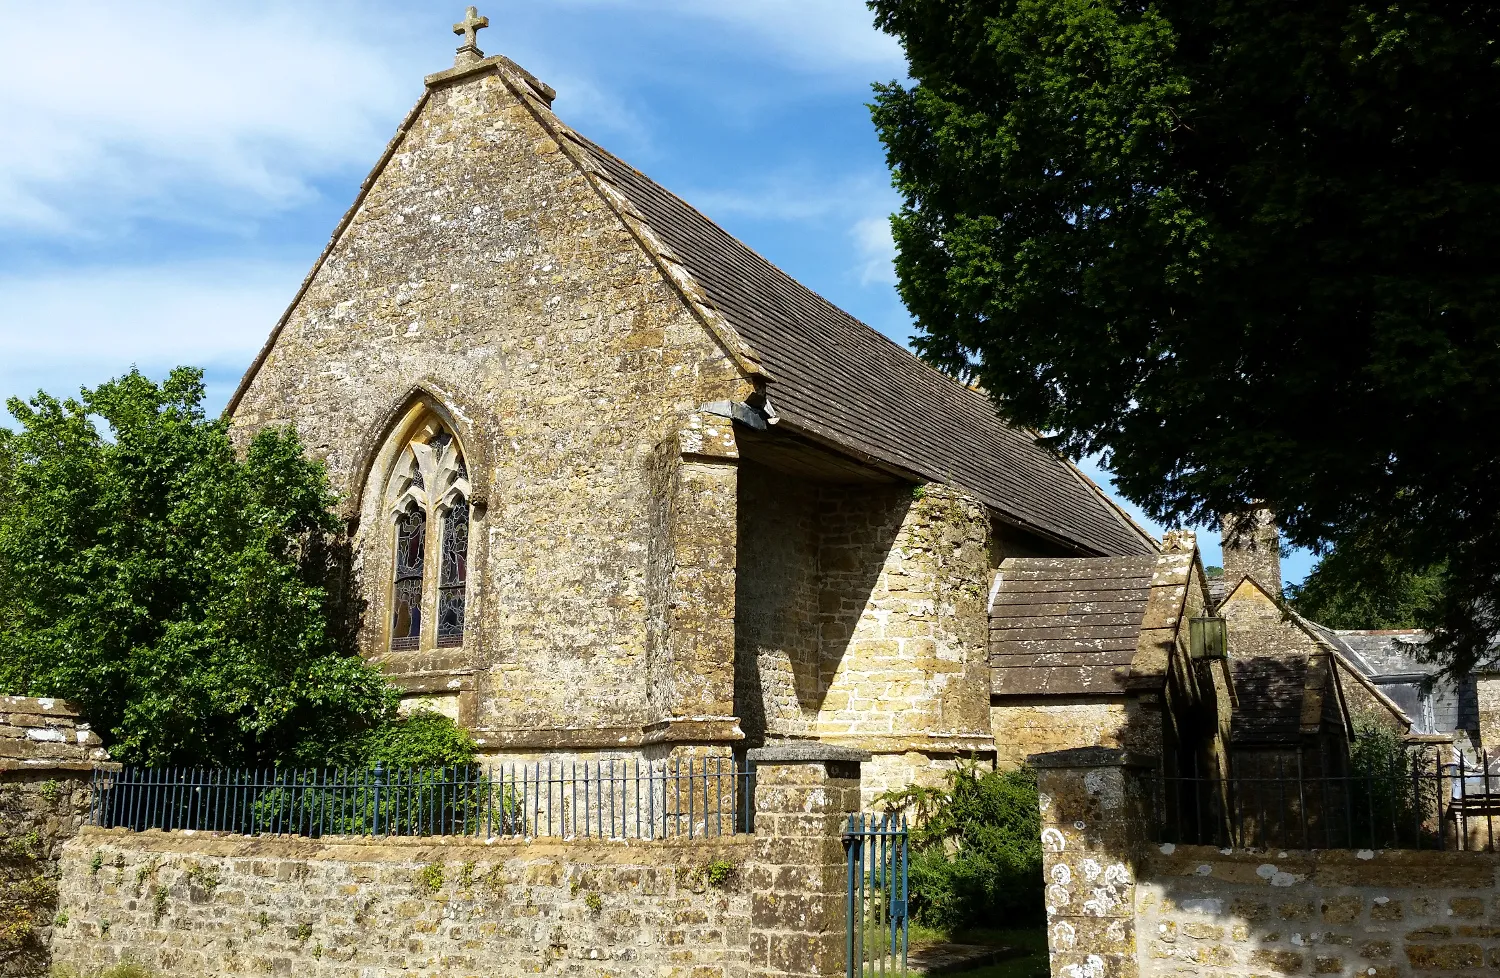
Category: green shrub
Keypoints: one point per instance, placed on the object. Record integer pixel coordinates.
(424, 738)
(976, 848)
(1388, 803)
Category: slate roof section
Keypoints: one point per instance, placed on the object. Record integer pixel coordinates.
(1066, 626)
(839, 380)
(1270, 691)
(1388, 657)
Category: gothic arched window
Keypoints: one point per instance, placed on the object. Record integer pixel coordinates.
(429, 501)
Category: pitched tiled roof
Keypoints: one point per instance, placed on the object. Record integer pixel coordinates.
(1067, 625)
(1270, 690)
(837, 379)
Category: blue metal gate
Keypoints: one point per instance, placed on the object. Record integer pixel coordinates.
(875, 849)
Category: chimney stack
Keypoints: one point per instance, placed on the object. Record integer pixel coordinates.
(1252, 548)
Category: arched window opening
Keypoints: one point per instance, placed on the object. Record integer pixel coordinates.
(430, 504)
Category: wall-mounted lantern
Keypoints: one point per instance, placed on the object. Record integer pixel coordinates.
(1208, 638)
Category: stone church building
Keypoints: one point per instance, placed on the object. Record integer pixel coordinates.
(618, 486)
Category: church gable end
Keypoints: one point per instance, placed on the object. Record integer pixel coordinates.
(481, 262)
(534, 374)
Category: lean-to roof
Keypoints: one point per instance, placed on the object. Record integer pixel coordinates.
(1068, 625)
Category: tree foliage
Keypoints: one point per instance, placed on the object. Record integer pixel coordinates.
(976, 850)
(186, 596)
(1359, 584)
(421, 739)
(1243, 249)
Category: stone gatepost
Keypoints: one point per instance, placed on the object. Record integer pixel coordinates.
(804, 793)
(1096, 812)
(47, 759)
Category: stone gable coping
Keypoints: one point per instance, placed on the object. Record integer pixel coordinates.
(537, 97)
(40, 706)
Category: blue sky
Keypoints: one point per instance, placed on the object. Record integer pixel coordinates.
(171, 171)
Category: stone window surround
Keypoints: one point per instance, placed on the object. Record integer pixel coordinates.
(434, 480)
(369, 511)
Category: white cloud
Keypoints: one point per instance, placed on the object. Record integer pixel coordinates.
(790, 195)
(860, 204)
(816, 36)
(118, 110)
(81, 327)
(876, 250)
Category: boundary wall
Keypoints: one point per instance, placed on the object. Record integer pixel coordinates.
(203, 904)
(47, 756)
(1121, 906)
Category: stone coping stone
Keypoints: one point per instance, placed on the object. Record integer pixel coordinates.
(1091, 757)
(805, 752)
(423, 848)
(54, 764)
(40, 706)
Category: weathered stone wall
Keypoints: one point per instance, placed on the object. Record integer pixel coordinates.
(40, 809)
(40, 732)
(1337, 912)
(1487, 694)
(1024, 726)
(200, 906)
(726, 906)
(779, 684)
(1258, 626)
(1121, 906)
(904, 624)
(1094, 815)
(861, 617)
(483, 273)
(47, 755)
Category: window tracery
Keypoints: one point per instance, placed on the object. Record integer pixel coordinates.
(429, 500)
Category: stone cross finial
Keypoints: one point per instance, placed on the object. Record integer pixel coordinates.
(469, 27)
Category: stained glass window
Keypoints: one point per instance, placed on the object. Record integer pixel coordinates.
(455, 574)
(411, 545)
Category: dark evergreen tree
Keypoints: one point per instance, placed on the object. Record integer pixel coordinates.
(1243, 249)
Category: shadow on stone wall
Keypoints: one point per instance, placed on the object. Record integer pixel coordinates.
(810, 557)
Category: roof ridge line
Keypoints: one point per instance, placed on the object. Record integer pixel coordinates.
(671, 266)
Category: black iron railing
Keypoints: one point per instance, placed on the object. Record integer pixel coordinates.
(601, 799)
(1410, 803)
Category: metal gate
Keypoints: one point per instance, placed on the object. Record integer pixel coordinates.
(875, 849)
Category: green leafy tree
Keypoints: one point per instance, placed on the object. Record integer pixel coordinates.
(1243, 250)
(1359, 584)
(181, 592)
